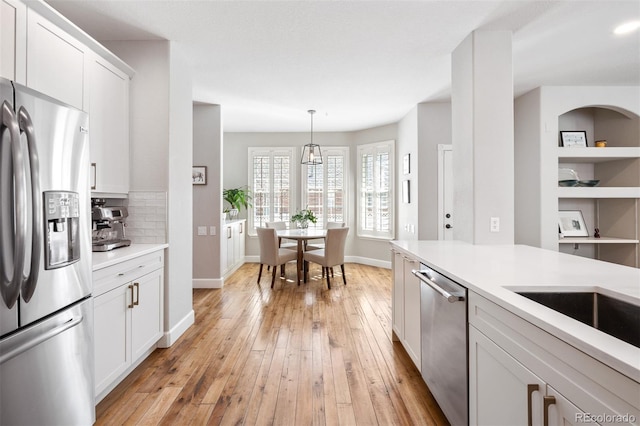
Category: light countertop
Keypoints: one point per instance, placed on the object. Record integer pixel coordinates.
(492, 270)
(109, 258)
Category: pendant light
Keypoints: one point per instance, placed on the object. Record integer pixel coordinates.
(311, 153)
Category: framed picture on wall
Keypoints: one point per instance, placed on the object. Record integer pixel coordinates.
(572, 224)
(406, 191)
(574, 139)
(199, 175)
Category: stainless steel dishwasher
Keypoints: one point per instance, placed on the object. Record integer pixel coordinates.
(443, 320)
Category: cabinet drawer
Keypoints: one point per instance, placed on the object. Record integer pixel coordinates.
(113, 276)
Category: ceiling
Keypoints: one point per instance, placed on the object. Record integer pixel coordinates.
(362, 64)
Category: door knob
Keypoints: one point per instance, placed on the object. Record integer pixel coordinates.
(448, 226)
(448, 215)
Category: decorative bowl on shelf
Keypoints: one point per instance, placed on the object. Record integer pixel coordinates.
(568, 182)
(589, 183)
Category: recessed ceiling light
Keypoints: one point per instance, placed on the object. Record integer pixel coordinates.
(627, 27)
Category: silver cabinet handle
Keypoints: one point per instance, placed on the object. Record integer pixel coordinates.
(26, 125)
(444, 293)
(547, 402)
(121, 274)
(531, 388)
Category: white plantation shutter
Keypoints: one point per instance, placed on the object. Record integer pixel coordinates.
(324, 186)
(375, 189)
(271, 172)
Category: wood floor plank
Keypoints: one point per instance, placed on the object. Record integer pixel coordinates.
(299, 355)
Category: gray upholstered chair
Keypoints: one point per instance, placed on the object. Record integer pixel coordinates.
(332, 254)
(271, 254)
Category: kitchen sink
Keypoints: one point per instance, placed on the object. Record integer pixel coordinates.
(612, 316)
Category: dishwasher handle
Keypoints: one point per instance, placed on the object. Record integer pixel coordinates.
(424, 277)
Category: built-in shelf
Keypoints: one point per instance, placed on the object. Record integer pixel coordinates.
(598, 192)
(601, 240)
(596, 155)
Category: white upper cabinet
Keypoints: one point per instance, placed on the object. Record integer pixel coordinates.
(108, 127)
(55, 61)
(13, 40)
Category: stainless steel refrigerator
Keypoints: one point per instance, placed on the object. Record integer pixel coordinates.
(46, 309)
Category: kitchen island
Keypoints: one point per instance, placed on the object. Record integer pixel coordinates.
(528, 333)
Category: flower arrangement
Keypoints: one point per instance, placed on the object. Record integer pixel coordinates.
(303, 217)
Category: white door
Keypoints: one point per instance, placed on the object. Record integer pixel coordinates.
(445, 193)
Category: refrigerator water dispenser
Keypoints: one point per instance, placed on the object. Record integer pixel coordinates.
(62, 214)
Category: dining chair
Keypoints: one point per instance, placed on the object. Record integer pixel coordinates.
(281, 226)
(272, 255)
(333, 253)
(320, 245)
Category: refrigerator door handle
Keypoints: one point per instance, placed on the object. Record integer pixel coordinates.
(26, 125)
(72, 322)
(13, 192)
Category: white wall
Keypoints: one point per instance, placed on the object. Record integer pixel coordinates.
(207, 199)
(161, 155)
(407, 217)
(482, 118)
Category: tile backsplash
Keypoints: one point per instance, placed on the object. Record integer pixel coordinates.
(147, 221)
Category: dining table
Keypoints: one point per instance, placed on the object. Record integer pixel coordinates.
(301, 235)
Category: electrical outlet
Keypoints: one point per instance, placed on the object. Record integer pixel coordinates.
(202, 230)
(495, 224)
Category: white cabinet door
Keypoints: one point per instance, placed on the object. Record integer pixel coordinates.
(111, 336)
(55, 61)
(561, 412)
(501, 390)
(398, 296)
(13, 40)
(412, 329)
(146, 315)
(108, 127)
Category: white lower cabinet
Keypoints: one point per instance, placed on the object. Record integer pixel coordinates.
(406, 306)
(128, 317)
(521, 375)
(234, 232)
(507, 393)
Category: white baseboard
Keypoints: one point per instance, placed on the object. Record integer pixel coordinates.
(207, 283)
(368, 261)
(171, 336)
(349, 259)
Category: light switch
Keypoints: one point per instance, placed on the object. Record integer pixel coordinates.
(212, 230)
(202, 230)
(495, 224)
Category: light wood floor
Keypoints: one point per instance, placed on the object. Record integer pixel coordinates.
(288, 356)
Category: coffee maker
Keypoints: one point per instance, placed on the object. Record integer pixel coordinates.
(108, 226)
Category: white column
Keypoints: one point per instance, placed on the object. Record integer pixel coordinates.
(482, 137)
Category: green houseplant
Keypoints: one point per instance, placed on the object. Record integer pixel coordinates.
(237, 198)
(303, 217)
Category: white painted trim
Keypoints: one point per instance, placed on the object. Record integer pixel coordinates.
(207, 283)
(171, 336)
(348, 259)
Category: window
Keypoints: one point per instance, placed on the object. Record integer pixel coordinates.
(271, 172)
(375, 190)
(324, 186)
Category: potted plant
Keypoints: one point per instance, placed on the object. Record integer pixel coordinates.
(237, 198)
(303, 217)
